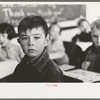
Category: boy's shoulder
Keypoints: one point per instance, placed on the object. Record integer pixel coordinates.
(53, 67)
(22, 63)
(53, 72)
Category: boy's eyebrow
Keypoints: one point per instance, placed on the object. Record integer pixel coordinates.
(37, 34)
(33, 34)
(23, 35)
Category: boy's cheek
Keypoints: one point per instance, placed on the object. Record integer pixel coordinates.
(21, 43)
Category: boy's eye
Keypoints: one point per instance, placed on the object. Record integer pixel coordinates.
(36, 38)
(95, 36)
(24, 38)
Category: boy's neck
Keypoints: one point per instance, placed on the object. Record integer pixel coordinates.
(32, 59)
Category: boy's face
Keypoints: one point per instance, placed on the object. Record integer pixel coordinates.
(3, 39)
(96, 37)
(33, 41)
(55, 31)
(85, 27)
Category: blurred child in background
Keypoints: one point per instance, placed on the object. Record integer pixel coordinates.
(7, 49)
(85, 32)
(56, 48)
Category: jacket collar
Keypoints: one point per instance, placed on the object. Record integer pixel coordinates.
(40, 62)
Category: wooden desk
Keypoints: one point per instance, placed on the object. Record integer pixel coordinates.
(66, 67)
(85, 76)
(55, 55)
(7, 67)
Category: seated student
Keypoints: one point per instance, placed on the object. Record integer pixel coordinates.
(92, 54)
(85, 35)
(56, 48)
(74, 52)
(85, 28)
(7, 49)
(36, 66)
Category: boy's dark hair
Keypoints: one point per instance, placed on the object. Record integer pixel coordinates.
(7, 28)
(53, 24)
(32, 21)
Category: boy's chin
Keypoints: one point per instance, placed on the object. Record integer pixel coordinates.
(32, 56)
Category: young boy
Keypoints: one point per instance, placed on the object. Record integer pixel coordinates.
(9, 50)
(36, 66)
(85, 29)
(56, 48)
(92, 54)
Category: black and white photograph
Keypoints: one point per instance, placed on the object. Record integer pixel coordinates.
(52, 44)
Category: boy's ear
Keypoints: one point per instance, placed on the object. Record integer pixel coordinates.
(47, 39)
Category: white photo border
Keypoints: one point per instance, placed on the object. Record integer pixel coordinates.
(49, 90)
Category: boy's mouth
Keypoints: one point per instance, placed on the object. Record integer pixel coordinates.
(31, 50)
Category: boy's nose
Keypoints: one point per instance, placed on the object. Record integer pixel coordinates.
(31, 42)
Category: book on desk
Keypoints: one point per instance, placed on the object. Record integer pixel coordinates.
(83, 75)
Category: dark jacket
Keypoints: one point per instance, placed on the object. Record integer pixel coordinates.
(74, 52)
(92, 54)
(85, 37)
(42, 69)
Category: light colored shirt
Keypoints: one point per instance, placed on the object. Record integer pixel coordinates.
(11, 51)
(57, 51)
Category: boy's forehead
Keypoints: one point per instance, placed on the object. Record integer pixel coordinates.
(36, 30)
(95, 32)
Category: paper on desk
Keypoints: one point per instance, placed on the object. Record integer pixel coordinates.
(85, 76)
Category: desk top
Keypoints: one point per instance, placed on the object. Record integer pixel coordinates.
(7, 67)
(85, 76)
(66, 67)
(55, 55)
